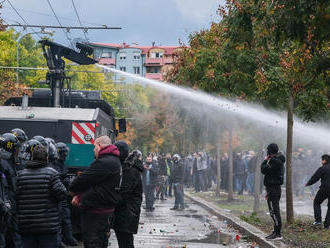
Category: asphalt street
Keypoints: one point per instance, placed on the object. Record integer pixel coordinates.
(192, 227)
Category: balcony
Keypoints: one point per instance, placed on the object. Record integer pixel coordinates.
(107, 61)
(155, 76)
(154, 61)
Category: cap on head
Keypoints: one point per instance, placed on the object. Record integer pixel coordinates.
(272, 148)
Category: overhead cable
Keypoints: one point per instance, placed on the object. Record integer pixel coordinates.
(58, 20)
(75, 10)
(22, 17)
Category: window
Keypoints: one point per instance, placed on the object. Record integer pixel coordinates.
(156, 55)
(122, 68)
(136, 56)
(136, 70)
(122, 56)
(106, 55)
(153, 69)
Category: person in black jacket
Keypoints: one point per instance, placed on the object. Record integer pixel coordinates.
(149, 179)
(96, 191)
(62, 151)
(5, 207)
(127, 213)
(9, 150)
(322, 173)
(177, 179)
(39, 191)
(162, 177)
(273, 169)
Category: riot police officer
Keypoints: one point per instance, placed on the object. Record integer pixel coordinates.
(9, 147)
(22, 138)
(65, 211)
(52, 151)
(28, 149)
(43, 141)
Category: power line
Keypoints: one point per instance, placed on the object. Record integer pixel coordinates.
(45, 14)
(21, 17)
(65, 33)
(61, 27)
(46, 69)
(75, 10)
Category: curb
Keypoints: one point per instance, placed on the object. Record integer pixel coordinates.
(245, 228)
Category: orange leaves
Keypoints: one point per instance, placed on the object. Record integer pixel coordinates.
(129, 135)
(10, 89)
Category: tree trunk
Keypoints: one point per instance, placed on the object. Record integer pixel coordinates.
(218, 165)
(289, 198)
(257, 177)
(230, 171)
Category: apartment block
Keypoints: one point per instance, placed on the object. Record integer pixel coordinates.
(152, 62)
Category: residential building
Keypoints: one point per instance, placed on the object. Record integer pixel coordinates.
(153, 62)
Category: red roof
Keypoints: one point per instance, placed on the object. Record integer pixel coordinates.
(168, 49)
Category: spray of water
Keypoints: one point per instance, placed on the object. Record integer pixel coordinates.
(308, 132)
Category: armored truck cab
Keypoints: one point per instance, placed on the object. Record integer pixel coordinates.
(77, 127)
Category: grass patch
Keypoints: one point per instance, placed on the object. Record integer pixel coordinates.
(299, 234)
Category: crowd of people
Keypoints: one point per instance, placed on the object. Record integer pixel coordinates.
(37, 196)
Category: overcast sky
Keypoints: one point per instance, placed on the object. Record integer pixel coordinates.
(143, 21)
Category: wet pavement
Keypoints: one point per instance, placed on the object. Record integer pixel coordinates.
(192, 227)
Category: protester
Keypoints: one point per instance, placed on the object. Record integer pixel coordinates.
(127, 213)
(96, 191)
(239, 173)
(273, 169)
(149, 179)
(177, 179)
(169, 163)
(323, 174)
(162, 178)
(39, 191)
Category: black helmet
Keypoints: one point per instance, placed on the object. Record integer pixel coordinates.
(52, 153)
(8, 144)
(62, 150)
(42, 141)
(20, 134)
(51, 140)
(29, 146)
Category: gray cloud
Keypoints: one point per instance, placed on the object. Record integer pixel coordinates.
(143, 21)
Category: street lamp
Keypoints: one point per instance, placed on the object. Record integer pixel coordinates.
(17, 50)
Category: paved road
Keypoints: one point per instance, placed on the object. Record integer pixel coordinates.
(192, 227)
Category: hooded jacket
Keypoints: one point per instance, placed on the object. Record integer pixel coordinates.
(127, 213)
(98, 185)
(273, 169)
(322, 173)
(39, 190)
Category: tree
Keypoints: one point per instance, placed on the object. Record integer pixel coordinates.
(273, 52)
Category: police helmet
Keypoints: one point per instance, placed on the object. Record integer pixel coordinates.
(51, 140)
(62, 150)
(52, 153)
(20, 134)
(29, 146)
(8, 145)
(42, 141)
